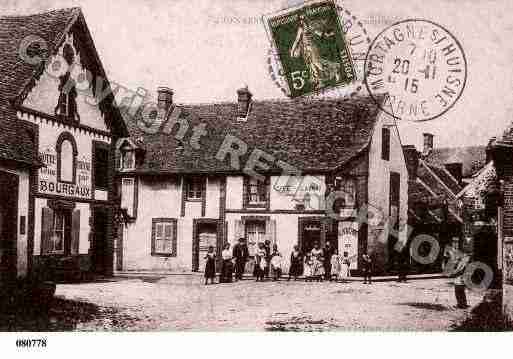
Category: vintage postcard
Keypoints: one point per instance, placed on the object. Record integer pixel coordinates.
(311, 46)
(255, 166)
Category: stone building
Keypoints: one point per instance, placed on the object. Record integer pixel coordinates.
(198, 175)
(57, 146)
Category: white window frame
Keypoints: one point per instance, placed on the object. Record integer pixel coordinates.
(128, 203)
(56, 231)
(194, 188)
(164, 230)
(124, 158)
(255, 233)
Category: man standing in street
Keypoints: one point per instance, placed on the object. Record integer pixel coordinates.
(240, 254)
(328, 252)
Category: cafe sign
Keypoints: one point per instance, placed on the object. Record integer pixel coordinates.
(348, 241)
(49, 182)
(305, 190)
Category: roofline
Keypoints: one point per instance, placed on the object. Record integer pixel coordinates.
(76, 15)
(452, 194)
(471, 183)
(310, 171)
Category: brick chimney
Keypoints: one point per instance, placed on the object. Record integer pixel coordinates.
(456, 170)
(165, 98)
(489, 148)
(411, 156)
(243, 102)
(428, 143)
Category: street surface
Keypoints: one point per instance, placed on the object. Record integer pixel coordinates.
(183, 302)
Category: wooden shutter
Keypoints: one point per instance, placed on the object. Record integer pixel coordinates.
(245, 191)
(203, 195)
(75, 231)
(46, 229)
(385, 143)
(239, 231)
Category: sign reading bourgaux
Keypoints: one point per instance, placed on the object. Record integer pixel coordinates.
(71, 179)
(348, 241)
(306, 190)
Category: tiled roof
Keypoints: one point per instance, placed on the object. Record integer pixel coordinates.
(445, 177)
(15, 143)
(472, 158)
(312, 135)
(16, 75)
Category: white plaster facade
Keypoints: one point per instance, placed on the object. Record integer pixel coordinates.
(160, 196)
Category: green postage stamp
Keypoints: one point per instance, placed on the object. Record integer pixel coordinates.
(311, 47)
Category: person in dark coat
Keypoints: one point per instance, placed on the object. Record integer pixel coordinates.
(267, 246)
(404, 264)
(240, 254)
(210, 265)
(328, 253)
(296, 263)
(367, 268)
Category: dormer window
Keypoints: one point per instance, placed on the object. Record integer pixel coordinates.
(194, 188)
(127, 160)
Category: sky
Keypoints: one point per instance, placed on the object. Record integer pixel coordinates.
(206, 49)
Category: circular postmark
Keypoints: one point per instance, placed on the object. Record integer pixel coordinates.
(358, 41)
(419, 66)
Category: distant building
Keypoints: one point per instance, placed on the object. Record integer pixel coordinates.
(182, 191)
(441, 193)
(57, 198)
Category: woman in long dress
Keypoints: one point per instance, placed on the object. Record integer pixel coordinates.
(260, 262)
(344, 265)
(226, 275)
(276, 263)
(318, 262)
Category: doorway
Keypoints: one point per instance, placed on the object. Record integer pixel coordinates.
(8, 226)
(99, 256)
(206, 234)
(310, 233)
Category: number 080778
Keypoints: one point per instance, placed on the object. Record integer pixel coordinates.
(31, 343)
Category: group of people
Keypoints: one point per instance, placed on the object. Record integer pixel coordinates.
(318, 264)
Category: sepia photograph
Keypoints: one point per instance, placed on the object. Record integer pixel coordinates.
(273, 166)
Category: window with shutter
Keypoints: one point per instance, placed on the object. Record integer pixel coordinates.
(75, 232)
(101, 167)
(163, 238)
(255, 233)
(128, 195)
(385, 143)
(56, 231)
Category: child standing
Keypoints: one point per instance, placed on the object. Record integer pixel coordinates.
(335, 266)
(210, 266)
(308, 267)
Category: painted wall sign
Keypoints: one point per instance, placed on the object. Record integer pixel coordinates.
(48, 182)
(348, 241)
(304, 190)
